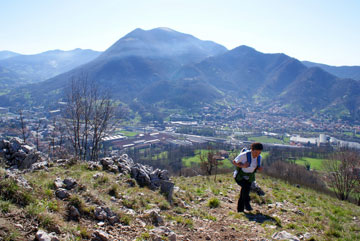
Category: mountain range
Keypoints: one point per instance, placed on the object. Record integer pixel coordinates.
(170, 69)
(352, 72)
(7, 54)
(17, 69)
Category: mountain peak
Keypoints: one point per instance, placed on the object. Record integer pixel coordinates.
(164, 29)
(162, 42)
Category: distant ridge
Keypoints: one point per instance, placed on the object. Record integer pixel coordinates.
(7, 54)
(352, 72)
(38, 67)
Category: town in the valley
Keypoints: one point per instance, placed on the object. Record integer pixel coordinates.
(44, 128)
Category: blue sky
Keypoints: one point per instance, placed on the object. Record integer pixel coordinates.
(324, 31)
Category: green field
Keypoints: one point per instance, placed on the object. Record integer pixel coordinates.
(195, 160)
(315, 163)
(128, 133)
(351, 134)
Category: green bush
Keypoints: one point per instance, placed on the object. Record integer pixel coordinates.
(164, 205)
(84, 233)
(214, 202)
(46, 221)
(10, 191)
(4, 206)
(79, 203)
(125, 218)
(114, 191)
(131, 203)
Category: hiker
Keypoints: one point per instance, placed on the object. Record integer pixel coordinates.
(247, 163)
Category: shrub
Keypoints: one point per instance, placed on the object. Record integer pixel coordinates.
(179, 210)
(214, 202)
(164, 205)
(114, 191)
(10, 191)
(46, 221)
(4, 206)
(33, 209)
(79, 203)
(72, 161)
(130, 203)
(84, 233)
(124, 218)
(101, 181)
(53, 206)
(181, 220)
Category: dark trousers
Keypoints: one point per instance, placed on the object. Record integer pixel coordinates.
(244, 199)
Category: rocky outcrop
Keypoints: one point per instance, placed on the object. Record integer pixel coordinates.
(144, 175)
(19, 179)
(114, 164)
(19, 155)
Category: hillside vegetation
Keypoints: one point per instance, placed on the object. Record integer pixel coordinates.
(201, 209)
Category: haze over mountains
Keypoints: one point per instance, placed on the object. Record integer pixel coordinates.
(175, 70)
(7, 54)
(352, 72)
(17, 69)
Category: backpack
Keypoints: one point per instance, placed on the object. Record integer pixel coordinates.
(243, 175)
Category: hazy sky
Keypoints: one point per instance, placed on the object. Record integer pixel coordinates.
(325, 31)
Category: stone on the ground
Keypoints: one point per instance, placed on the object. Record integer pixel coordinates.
(283, 235)
(43, 236)
(100, 235)
(74, 213)
(62, 193)
(100, 214)
(70, 183)
(58, 183)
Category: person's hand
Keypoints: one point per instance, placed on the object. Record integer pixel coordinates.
(245, 165)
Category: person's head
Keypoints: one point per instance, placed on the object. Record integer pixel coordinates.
(256, 149)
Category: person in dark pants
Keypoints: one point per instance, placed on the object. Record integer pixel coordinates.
(247, 163)
(244, 199)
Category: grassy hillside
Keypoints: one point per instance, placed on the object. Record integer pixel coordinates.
(202, 209)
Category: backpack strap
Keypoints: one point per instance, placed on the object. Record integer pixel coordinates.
(248, 156)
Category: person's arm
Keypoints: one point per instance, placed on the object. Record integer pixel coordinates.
(241, 165)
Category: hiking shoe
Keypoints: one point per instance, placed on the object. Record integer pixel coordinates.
(248, 207)
(260, 192)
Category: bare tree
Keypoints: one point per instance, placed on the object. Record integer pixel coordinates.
(37, 130)
(88, 115)
(209, 162)
(100, 121)
(357, 188)
(76, 115)
(342, 173)
(53, 135)
(24, 132)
